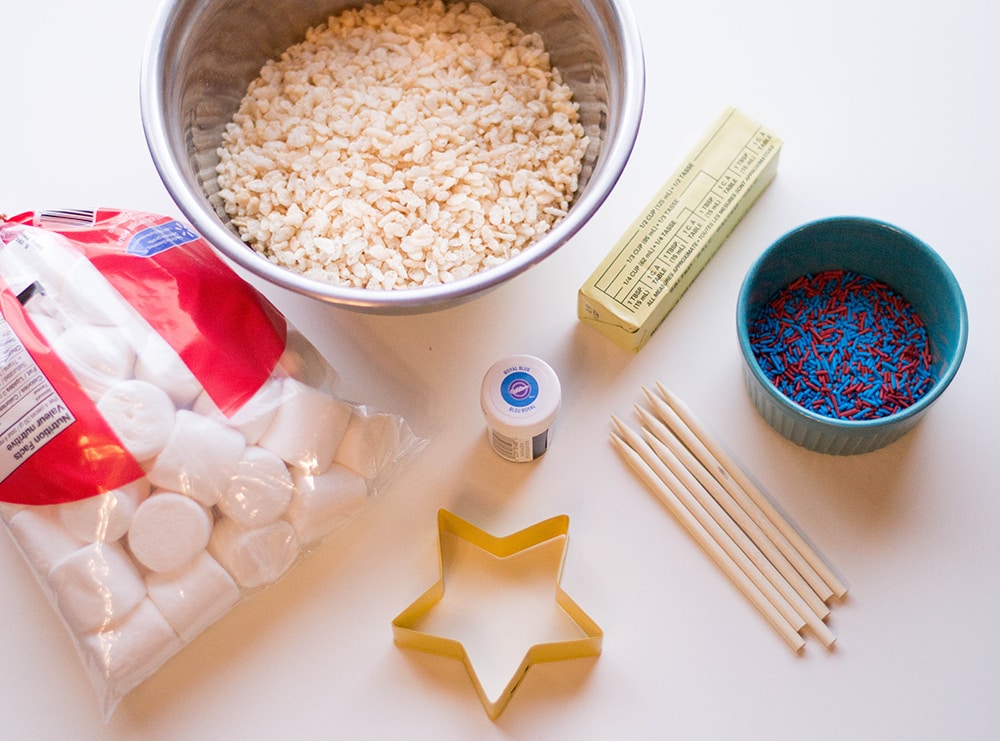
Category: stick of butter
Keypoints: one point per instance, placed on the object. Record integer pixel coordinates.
(674, 237)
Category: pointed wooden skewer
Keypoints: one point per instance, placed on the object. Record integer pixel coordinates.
(750, 528)
(707, 519)
(730, 466)
(751, 499)
(741, 540)
(670, 498)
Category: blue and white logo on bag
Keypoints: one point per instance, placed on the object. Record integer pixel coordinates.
(155, 239)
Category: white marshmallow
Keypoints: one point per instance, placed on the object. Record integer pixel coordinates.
(168, 531)
(49, 327)
(369, 444)
(252, 418)
(257, 556)
(87, 294)
(121, 656)
(141, 415)
(40, 255)
(99, 357)
(96, 586)
(106, 516)
(260, 489)
(159, 364)
(325, 502)
(307, 427)
(199, 458)
(42, 538)
(195, 597)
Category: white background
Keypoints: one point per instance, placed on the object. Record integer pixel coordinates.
(888, 109)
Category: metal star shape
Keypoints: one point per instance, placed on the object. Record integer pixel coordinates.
(526, 560)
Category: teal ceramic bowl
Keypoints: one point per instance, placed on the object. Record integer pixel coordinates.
(884, 252)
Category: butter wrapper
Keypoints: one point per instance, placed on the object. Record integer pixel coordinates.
(680, 229)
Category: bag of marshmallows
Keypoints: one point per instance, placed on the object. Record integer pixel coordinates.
(168, 443)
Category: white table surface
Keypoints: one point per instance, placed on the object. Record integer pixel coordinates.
(888, 109)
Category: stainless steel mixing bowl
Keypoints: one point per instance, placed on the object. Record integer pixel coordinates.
(202, 54)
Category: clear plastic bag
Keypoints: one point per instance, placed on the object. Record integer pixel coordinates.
(168, 443)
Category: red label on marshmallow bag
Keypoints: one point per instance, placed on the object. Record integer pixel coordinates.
(226, 332)
(54, 444)
(112, 276)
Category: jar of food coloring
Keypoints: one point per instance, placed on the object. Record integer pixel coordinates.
(520, 398)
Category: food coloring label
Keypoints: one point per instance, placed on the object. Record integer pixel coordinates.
(519, 450)
(519, 389)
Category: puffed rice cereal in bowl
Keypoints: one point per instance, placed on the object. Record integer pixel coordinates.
(402, 144)
(202, 57)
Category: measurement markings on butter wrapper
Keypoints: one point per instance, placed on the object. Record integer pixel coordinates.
(671, 232)
(31, 412)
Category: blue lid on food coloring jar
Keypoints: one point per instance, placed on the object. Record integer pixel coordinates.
(520, 398)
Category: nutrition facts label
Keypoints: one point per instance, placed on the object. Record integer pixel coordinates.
(657, 250)
(31, 412)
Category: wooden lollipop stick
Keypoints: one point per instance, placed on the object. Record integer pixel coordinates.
(735, 480)
(669, 498)
(737, 535)
(725, 500)
(704, 455)
(705, 518)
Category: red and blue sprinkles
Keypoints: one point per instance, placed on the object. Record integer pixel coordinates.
(843, 345)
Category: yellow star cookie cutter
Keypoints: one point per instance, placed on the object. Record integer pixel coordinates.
(554, 532)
